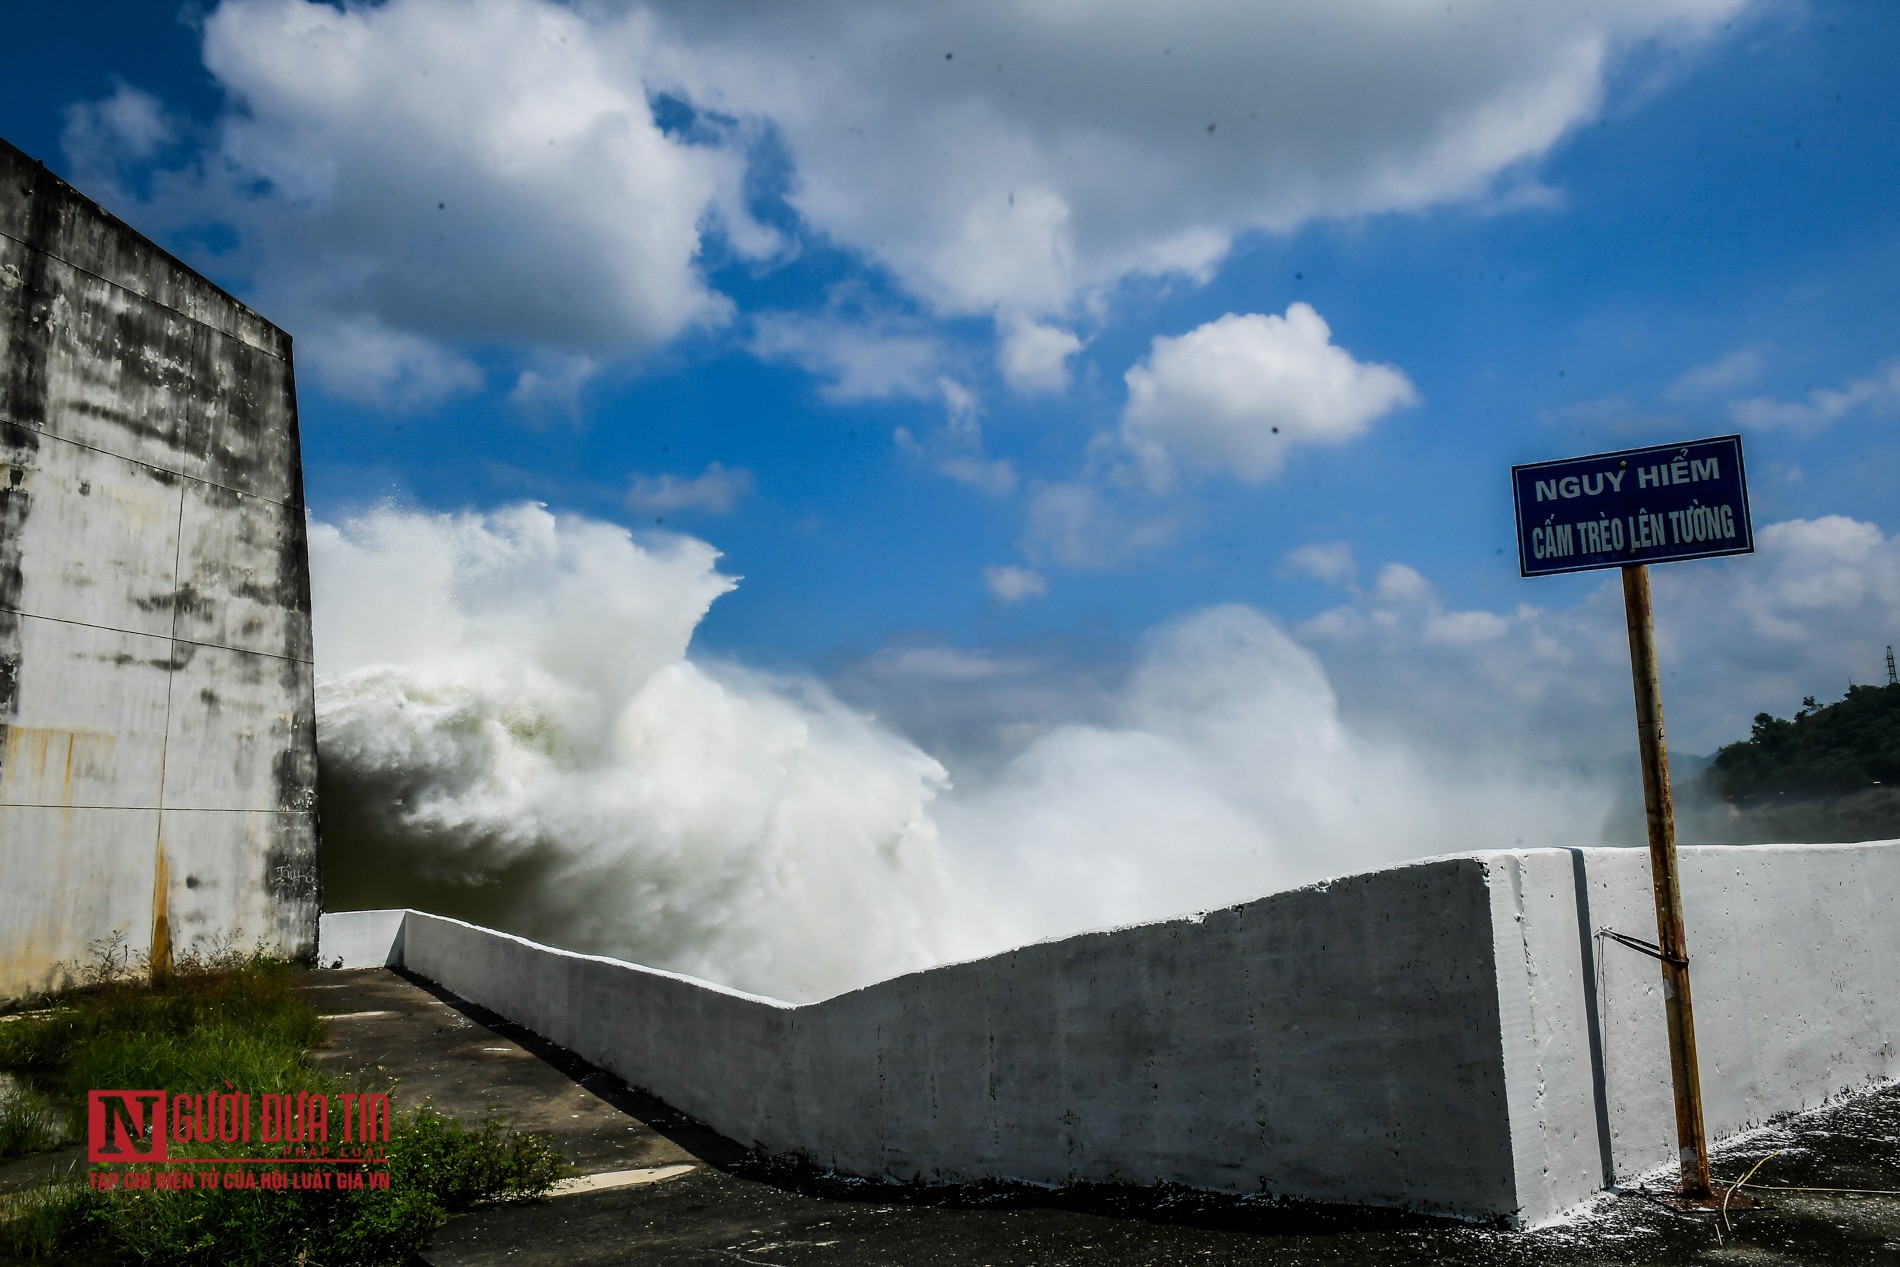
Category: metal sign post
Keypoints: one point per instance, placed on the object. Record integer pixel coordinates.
(1627, 510)
(1685, 1071)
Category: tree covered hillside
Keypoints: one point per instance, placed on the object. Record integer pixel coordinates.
(1827, 750)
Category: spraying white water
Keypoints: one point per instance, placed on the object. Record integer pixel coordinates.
(512, 731)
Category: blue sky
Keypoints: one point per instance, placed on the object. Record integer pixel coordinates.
(861, 297)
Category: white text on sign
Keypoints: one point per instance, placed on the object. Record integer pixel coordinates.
(1697, 524)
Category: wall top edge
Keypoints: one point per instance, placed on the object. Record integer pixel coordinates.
(13, 158)
(643, 969)
(1481, 862)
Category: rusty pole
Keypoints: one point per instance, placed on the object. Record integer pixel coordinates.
(1659, 809)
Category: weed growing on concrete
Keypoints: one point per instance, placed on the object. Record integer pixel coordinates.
(237, 1018)
(465, 1167)
(220, 1013)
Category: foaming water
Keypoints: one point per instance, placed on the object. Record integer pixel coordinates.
(512, 731)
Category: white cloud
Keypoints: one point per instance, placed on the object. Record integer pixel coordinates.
(1007, 157)
(1400, 586)
(1725, 373)
(865, 357)
(1013, 584)
(131, 123)
(1329, 561)
(993, 477)
(551, 385)
(1807, 613)
(361, 359)
(1081, 526)
(956, 448)
(716, 490)
(456, 171)
(1236, 394)
(491, 171)
(1823, 406)
(1035, 358)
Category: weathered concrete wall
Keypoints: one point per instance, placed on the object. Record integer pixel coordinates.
(1446, 1036)
(158, 763)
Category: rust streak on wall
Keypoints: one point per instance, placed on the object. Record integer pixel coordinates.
(161, 959)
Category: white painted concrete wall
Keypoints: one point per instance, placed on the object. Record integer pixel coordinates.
(1793, 950)
(1447, 1036)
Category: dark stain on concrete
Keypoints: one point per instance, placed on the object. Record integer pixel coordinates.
(22, 408)
(18, 445)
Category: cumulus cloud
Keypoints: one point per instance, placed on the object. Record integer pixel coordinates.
(130, 124)
(1237, 394)
(492, 172)
(1034, 358)
(715, 491)
(551, 385)
(1013, 584)
(362, 359)
(1823, 406)
(454, 172)
(1002, 157)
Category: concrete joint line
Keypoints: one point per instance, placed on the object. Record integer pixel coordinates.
(170, 637)
(124, 289)
(183, 475)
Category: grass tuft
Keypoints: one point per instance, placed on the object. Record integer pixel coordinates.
(226, 1017)
(45, 1222)
(31, 1122)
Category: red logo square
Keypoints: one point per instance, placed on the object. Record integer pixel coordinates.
(125, 1126)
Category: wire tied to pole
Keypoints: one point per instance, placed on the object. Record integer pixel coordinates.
(1649, 948)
